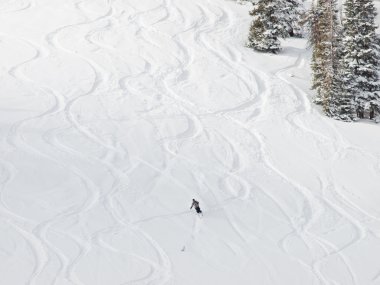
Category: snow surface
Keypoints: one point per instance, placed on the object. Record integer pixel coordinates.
(116, 113)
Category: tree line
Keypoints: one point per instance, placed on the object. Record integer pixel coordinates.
(345, 50)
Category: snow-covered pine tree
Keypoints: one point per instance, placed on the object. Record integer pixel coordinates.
(344, 101)
(268, 25)
(325, 61)
(337, 97)
(294, 12)
(315, 38)
(361, 59)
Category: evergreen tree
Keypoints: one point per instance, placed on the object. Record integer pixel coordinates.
(293, 13)
(361, 59)
(269, 24)
(315, 39)
(345, 109)
(325, 59)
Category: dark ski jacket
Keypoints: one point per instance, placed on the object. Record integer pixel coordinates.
(195, 204)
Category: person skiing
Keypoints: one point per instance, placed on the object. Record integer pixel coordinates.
(195, 204)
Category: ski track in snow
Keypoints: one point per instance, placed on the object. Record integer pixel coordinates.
(103, 163)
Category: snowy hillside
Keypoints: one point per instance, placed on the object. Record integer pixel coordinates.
(116, 113)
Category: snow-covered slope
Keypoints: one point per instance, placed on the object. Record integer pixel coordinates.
(116, 113)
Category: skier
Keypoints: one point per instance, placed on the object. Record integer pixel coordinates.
(195, 204)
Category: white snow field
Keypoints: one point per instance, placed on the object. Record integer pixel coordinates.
(116, 113)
